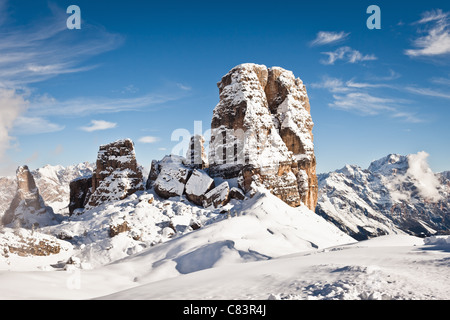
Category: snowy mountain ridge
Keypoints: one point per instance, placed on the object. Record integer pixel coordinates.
(395, 195)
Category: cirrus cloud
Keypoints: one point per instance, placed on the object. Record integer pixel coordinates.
(436, 40)
(148, 139)
(98, 125)
(326, 37)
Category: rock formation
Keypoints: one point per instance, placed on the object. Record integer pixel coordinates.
(80, 191)
(117, 174)
(262, 133)
(27, 208)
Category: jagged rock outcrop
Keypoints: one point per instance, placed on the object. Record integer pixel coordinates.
(196, 156)
(27, 208)
(53, 183)
(80, 191)
(262, 133)
(395, 194)
(117, 174)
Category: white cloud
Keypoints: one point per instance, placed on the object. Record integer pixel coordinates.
(436, 42)
(148, 139)
(325, 37)
(97, 125)
(12, 106)
(332, 85)
(346, 54)
(34, 125)
(424, 179)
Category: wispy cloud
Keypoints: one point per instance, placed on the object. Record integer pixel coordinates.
(326, 37)
(436, 40)
(48, 106)
(364, 98)
(34, 125)
(362, 102)
(98, 125)
(148, 139)
(429, 92)
(346, 54)
(184, 87)
(441, 81)
(46, 48)
(34, 52)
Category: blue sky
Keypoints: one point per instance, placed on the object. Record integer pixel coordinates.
(142, 69)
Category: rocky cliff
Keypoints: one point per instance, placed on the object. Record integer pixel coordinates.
(262, 133)
(117, 174)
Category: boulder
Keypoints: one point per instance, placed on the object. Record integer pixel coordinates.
(236, 193)
(219, 196)
(171, 176)
(197, 186)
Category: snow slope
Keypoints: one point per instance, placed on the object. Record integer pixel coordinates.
(388, 267)
(394, 267)
(259, 248)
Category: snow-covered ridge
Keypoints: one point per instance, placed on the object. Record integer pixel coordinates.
(396, 194)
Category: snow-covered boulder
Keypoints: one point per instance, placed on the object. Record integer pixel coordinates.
(236, 193)
(171, 176)
(198, 185)
(218, 196)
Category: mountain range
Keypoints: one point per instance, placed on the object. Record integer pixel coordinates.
(395, 194)
(254, 204)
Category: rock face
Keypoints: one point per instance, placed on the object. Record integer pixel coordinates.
(27, 208)
(117, 174)
(80, 191)
(396, 194)
(262, 133)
